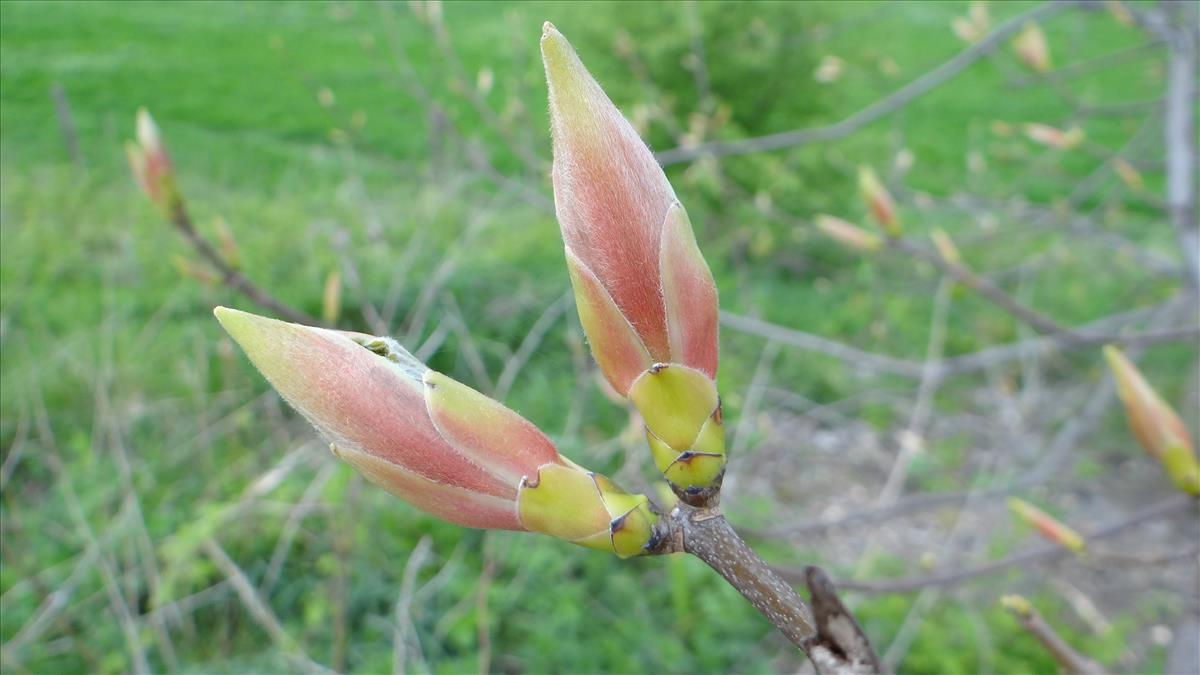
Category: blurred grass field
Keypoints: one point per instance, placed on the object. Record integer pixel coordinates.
(341, 137)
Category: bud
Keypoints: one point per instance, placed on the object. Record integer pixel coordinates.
(149, 162)
(878, 201)
(1001, 128)
(435, 443)
(964, 28)
(1120, 13)
(978, 12)
(1018, 605)
(975, 25)
(848, 235)
(1048, 526)
(195, 272)
(1128, 175)
(1054, 138)
(1031, 47)
(946, 247)
(645, 296)
(1155, 424)
(829, 70)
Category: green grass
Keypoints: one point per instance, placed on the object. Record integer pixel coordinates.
(120, 392)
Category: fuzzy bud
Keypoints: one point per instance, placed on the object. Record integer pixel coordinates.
(644, 293)
(1155, 425)
(435, 443)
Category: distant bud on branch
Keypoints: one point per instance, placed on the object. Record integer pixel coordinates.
(1048, 526)
(150, 164)
(1154, 424)
(878, 201)
(1032, 49)
(848, 235)
(1054, 138)
(945, 247)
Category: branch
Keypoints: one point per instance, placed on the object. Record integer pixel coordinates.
(1031, 317)
(1179, 137)
(830, 637)
(1084, 336)
(707, 535)
(259, 609)
(1069, 660)
(879, 109)
(839, 637)
(232, 278)
(1036, 555)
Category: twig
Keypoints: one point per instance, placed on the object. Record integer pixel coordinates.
(483, 616)
(1036, 555)
(1105, 61)
(754, 395)
(794, 338)
(232, 278)
(833, 641)
(1179, 135)
(881, 108)
(910, 440)
(403, 623)
(1088, 336)
(707, 535)
(1070, 661)
(343, 526)
(66, 123)
(308, 501)
(257, 607)
(987, 289)
(543, 324)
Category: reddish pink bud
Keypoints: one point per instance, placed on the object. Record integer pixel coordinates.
(848, 235)
(1154, 423)
(1047, 525)
(878, 201)
(1054, 138)
(438, 444)
(1031, 47)
(149, 162)
(644, 292)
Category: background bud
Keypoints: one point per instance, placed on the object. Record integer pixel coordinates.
(1032, 49)
(878, 201)
(149, 162)
(848, 235)
(1154, 424)
(1048, 526)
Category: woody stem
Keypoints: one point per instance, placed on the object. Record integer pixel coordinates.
(707, 535)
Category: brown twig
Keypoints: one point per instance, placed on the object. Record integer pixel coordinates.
(230, 277)
(881, 108)
(1031, 317)
(1070, 661)
(707, 535)
(832, 640)
(66, 123)
(257, 607)
(1036, 555)
(1087, 335)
